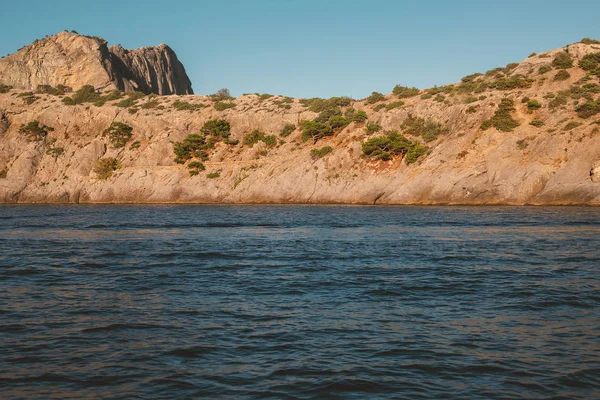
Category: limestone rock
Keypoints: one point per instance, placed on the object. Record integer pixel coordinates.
(74, 60)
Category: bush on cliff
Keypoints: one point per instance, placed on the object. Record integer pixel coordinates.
(502, 119)
(250, 139)
(320, 153)
(562, 61)
(34, 131)
(218, 128)
(287, 130)
(86, 94)
(118, 133)
(393, 144)
(105, 167)
(428, 129)
(403, 92)
(193, 146)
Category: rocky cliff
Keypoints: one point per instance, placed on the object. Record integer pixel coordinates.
(75, 60)
(527, 133)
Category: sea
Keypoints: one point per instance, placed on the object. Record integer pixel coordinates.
(299, 302)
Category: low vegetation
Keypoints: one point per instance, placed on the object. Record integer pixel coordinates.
(591, 63)
(59, 90)
(34, 131)
(318, 105)
(588, 109)
(224, 105)
(252, 138)
(105, 167)
(375, 97)
(3, 173)
(320, 153)
(5, 88)
(185, 106)
(403, 92)
(221, 95)
(562, 61)
(372, 127)
(537, 123)
(393, 144)
(502, 119)
(119, 134)
(427, 129)
(533, 105)
(561, 75)
(287, 130)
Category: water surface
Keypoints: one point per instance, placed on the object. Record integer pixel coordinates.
(299, 302)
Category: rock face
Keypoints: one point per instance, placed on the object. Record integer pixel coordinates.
(550, 157)
(74, 60)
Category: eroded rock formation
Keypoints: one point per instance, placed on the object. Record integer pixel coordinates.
(74, 60)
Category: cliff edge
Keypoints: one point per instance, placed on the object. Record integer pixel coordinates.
(75, 60)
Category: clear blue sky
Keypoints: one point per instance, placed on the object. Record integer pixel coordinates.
(316, 48)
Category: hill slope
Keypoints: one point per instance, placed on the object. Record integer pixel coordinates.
(527, 133)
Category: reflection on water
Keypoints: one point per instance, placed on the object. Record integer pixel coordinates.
(299, 302)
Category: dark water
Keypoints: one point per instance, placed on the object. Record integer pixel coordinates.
(240, 302)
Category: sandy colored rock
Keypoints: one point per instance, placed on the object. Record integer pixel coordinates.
(550, 164)
(75, 60)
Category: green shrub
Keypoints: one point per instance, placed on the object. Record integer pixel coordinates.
(571, 125)
(428, 129)
(315, 130)
(125, 103)
(196, 165)
(472, 77)
(5, 88)
(150, 104)
(119, 133)
(589, 41)
(562, 61)
(185, 106)
(193, 146)
(472, 110)
(562, 75)
(265, 96)
(393, 144)
(537, 123)
(34, 131)
(59, 90)
(221, 95)
(3, 173)
(471, 99)
(372, 128)
(28, 97)
(105, 167)
(320, 153)
(356, 115)
(55, 151)
(213, 175)
(591, 63)
(533, 105)
(544, 69)
(559, 100)
(426, 96)
(532, 55)
(392, 105)
(317, 105)
(250, 139)
(113, 95)
(223, 105)
(287, 130)
(375, 97)
(511, 66)
(510, 83)
(135, 145)
(522, 144)
(502, 119)
(588, 109)
(403, 92)
(218, 128)
(86, 94)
